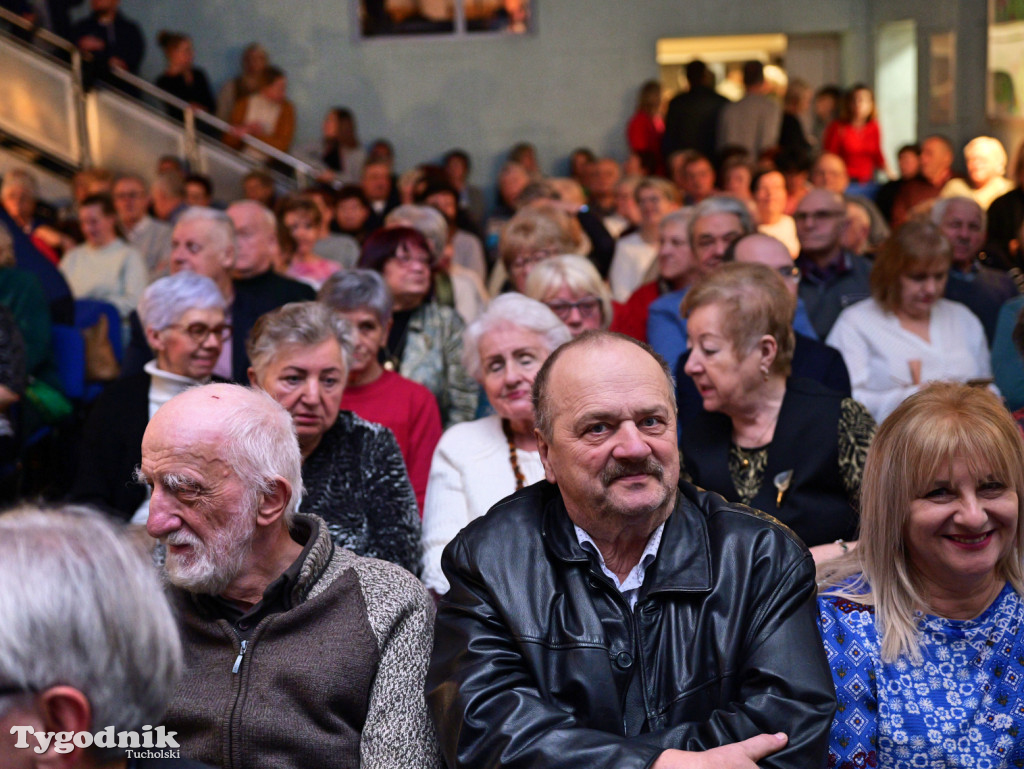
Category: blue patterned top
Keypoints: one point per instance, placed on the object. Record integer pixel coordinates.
(961, 706)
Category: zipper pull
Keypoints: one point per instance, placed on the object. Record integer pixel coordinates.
(238, 659)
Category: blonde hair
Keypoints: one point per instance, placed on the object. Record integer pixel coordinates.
(926, 433)
(755, 301)
(541, 226)
(574, 272)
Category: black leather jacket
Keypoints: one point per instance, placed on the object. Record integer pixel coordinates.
(539, 662)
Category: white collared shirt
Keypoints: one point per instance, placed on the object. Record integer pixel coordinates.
(630, 586)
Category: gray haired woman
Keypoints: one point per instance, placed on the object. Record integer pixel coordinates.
(477, 463)
(352, 470)
(183, 317)
(405, 407)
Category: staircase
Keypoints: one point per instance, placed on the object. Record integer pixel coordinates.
(51, 120)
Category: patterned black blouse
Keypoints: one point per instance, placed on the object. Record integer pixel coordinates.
(356, 481)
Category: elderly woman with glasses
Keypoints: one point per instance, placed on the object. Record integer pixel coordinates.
(477, 463)
(572, 288)
(424, 343)
(353, 475)
(183, 317)
(537, 232)
(921, 623)
(782, 444)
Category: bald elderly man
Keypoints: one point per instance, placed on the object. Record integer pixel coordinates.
(298, 653)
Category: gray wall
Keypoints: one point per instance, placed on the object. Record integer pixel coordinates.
(571, 83)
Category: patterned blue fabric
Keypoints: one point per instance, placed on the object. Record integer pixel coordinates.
(961, 706)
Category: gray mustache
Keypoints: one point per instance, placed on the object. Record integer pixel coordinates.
(617, 469)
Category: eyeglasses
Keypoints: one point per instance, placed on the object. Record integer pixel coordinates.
(588, 307)
(816, 216)
(199, 332)
(406, 259)
(535, 257)
(792, 272)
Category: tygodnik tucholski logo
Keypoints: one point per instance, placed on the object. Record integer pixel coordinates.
(149, 743)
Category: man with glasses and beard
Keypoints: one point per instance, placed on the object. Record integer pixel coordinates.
(298, 653)
(615, 616)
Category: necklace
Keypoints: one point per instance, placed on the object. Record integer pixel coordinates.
(745, 452)
(513, 456)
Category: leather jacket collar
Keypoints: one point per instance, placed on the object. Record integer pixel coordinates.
(684, 558)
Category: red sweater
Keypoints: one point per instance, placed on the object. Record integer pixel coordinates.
(860, 148)
(631, 318)
(410, 410)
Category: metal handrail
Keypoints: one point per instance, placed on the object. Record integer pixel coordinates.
(303, 171)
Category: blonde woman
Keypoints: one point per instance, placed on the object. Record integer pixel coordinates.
(921, 623)
(572, 289)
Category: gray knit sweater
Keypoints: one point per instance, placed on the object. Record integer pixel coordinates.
(335, 681)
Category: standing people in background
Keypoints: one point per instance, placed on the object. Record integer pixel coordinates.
(405, 407)
(691, 121)
(646, 128)
(754, 121)
(104, 267)
(986, 173)
(856, 139)
(338, 152)
(110, 37)
(266, 115)
(254, 61)
(792, 135)
(181, 77)
(826, 110)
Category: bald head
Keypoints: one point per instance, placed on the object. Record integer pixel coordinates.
(772, 253)
(830, 173)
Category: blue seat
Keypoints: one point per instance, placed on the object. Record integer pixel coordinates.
(69, 350)
(87, 313)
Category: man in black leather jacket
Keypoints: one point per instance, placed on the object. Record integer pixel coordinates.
(615, 617)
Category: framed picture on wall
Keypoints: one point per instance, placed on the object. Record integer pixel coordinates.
(1005, 59)
(447, 18)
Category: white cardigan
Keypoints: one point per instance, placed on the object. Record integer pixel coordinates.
(877, 351)
(469, 473)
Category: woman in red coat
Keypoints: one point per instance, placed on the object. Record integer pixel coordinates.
(646, 127)
(855, 138)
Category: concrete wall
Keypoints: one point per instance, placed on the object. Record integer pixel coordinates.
(571, 83)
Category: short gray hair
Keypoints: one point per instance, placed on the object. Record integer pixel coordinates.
(165, 300)
(259, 443)
(516, 310)
(348, 290)
(20, 177)
(267, 215)
(575, 272)
(683, 216)
(222, 224)
(303, 324)
(722, 204)
(427, 220)
(940, 206)
(82, 607)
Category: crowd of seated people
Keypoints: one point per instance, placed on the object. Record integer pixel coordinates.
(801, 297)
